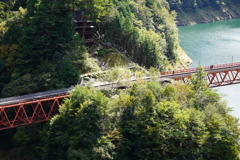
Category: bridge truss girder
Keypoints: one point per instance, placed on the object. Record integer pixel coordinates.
(29, 112)
(217, 79)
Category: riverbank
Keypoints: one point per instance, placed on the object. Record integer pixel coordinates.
(208, 15)
(184, 61)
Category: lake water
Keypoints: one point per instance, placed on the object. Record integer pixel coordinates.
(215, 43)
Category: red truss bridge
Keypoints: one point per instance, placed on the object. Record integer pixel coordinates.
(39, 107)
(217, 75)
(28, 109)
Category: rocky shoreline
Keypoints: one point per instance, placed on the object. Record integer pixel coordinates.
(184, 61)
(207, 15)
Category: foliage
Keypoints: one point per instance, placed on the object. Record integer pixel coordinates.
(147, 121)
(117, 75)
(158, 127)
(188, 5)
(85, 119)
(113, 59)
(53, 55)
(10, 28)
(94, 10)
(44, 24)
(144, 31)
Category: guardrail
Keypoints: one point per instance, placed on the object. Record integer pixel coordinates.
(205, 68)
(171, 74)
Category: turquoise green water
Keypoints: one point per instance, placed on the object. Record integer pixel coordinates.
(215, 43)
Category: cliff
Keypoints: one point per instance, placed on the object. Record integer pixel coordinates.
(208, 14)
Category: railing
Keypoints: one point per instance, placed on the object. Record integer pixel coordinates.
(205, 68)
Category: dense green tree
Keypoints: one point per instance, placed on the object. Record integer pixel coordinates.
(144, 30)
(48, 31)
(203, 95)
(85, 119)
(166, 130)
(94, 10)
(159, 130)
(146, 121)
(20, 3)
(10, 30)
(191, 5)
(48, 51)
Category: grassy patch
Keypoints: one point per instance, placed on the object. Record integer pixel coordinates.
(113, 59)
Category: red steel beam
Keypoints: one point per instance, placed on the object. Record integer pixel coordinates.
(35, 111)
(218, 78)
(29, 112)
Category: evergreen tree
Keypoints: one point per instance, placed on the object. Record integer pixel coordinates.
(145, 31)
(46, 47)
(47, 32)
(94, 10)
(140, 123)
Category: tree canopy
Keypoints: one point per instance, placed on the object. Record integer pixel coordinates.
(147, 121)
(39, 46)
(188, 5)
(145, 31)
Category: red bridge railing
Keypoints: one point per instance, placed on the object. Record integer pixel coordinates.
(218, 75)
(43, 109)
(205, 68)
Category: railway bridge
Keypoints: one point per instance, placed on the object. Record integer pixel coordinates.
(39, 107)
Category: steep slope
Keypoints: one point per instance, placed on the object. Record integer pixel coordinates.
(145, 31)
(204, 11)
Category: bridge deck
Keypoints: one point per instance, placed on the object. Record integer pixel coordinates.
(39, 107)
(34, 96)
(177, 74)
(208, 69)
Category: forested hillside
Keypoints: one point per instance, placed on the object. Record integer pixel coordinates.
(40, 49)
(204, 11)
(145, 122)
(146, 31)
(37, 47)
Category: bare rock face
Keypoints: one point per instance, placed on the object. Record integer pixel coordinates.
(208, 15)
(184, 61)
